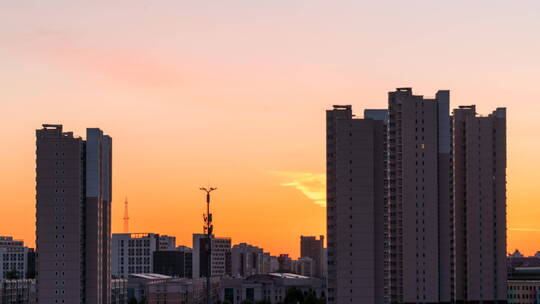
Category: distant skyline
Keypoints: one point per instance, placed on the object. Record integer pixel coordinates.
(234, 94)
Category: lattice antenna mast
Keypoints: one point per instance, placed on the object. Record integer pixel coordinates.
(208, 230)
(208, 227)
(126, 217)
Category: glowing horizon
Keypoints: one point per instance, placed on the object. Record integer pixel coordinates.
(234, 93)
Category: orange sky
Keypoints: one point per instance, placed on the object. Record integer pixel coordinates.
(234, 92)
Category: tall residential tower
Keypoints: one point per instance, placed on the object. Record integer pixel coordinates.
(435, 183)
(73, 225)
(419, 201)
(355, 207)
(480, 205)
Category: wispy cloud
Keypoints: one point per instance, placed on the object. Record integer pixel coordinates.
(312, 185)
(127, 67)
(525, 229)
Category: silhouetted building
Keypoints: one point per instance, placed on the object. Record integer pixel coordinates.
(311, 247)
(31, 264)
(159, 289)
(480, 205)
(271, 288)
(355, 206)
(420, 207)
(285, 264)
(174, 263)
(246, 260)
(516, 254)
(73, 225)
(523, 262)
(306, 266)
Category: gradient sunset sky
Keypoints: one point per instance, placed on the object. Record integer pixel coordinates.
(234, 92)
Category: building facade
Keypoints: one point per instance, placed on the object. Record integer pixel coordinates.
(246, 260)
(119, 291)
(220, 256)
(73, 216)
(271, 287)
(443, 202)
(480, 204)
(175, 263)
(21, 291)
(14, 258)
(307, 267)
(420, 224)
(355, 207)
(167, 242)
(133, 253)
(313, 248)
(159, 289)
(523, 292)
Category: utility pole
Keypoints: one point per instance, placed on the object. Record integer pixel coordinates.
(208, 230)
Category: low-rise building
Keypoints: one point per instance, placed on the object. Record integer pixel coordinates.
(13, 258)
(271, 287)
(22, 291)
(161, 289)
(523, 285)
(523, 292)
(119, 291)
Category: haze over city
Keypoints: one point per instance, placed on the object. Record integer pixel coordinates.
(233, 94)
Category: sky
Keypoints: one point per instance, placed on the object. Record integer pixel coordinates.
(233, 93)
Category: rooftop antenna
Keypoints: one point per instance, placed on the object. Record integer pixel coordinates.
(126, 217)
(208, 230)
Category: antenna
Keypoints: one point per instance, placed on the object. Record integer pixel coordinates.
(126, 217)
(208, 230)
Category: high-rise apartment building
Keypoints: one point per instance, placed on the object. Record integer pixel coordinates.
(419, 201)
(355, 206)
(444, 201)
(313, 248)
(480, 205)
(73, 224)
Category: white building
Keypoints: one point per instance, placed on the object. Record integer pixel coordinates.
(220, 259)
(133, 253)
(167, 242)
(13, 257)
